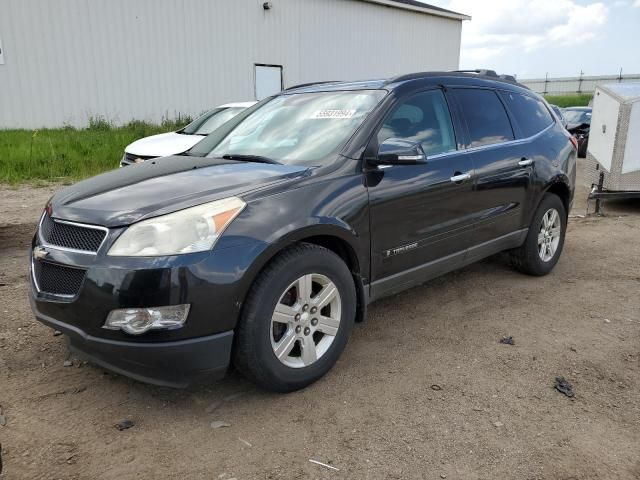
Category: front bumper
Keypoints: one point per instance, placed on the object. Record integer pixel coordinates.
(214, 284)
(172, 364)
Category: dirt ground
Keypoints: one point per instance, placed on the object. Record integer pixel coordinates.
(424, 389)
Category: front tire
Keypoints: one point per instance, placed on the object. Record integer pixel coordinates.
(297, 319)
(542, 248)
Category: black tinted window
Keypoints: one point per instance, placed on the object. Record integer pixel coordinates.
(423, 118)
(485, 115)
(531, 114)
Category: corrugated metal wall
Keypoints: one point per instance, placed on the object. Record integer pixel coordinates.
(67, 60)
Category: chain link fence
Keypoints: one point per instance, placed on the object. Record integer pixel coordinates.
(580, 84)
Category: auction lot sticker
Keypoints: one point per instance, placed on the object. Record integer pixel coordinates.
(334, 114)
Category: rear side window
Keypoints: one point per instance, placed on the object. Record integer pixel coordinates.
(485, 115)
(423, 118)
(531, 114)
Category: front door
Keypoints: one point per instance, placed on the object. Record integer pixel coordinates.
(419, 214)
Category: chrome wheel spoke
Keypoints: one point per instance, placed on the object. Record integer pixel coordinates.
(308, 350)
(553, 216)
(555, 232)
(325, 296)
(286, 344)
(328, 325)
(304, 288)
(284, 313)
(541, 238)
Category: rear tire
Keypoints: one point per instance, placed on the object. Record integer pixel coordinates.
(296, 320)
(542, 248)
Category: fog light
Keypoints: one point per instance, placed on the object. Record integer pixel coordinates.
(140, 320)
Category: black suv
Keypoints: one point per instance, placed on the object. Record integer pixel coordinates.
(263, 245)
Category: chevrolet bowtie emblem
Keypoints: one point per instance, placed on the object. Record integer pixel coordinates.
(39, 253)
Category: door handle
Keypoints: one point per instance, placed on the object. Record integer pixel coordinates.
(525, 162)
(460, 177)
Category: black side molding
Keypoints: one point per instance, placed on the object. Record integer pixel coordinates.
(418, 275)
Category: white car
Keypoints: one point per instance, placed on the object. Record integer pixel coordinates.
(180, 141)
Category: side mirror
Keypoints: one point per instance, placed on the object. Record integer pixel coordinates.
(396, 151)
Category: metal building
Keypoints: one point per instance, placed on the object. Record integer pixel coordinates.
(64, 61)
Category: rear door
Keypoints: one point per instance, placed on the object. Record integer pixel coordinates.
(539, 147)
(418, 214)
(502, 170)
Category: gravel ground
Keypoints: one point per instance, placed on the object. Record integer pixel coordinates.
(424, 389)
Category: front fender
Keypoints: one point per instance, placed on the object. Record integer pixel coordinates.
(333, 211)
(326, 228)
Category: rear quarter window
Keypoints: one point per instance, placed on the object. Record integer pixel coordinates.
(530, 113)
(485, 116)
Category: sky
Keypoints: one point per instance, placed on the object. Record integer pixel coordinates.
(531, 38)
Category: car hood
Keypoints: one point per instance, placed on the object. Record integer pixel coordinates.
(163, 185)
(163, 145)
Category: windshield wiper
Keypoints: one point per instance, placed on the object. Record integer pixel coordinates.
(250, 158)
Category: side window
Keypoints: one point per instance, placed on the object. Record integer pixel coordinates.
(486, 117)
(531, 114)
(422, 118)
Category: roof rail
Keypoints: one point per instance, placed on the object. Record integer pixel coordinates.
(489, 74)
(479, 71)
(302, 85)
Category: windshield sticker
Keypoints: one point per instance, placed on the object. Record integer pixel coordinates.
(334, 114)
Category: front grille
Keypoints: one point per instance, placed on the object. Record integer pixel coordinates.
(56, 279)
(68, 235)
(130, 159)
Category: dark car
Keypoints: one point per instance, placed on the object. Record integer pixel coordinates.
(579, 125)
(264, 245)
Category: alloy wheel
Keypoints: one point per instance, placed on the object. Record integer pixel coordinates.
(306, 320)
(549, 235)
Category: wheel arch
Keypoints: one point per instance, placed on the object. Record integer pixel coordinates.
(560, 187)
(338, 239)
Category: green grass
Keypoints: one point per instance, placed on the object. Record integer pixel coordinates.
(66, 154)
(570, 100)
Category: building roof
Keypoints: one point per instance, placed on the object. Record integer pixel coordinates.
(420, 7)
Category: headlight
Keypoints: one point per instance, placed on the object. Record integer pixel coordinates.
(194, 229)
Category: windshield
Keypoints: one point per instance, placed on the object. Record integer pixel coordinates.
(578, 116)
(299, 128)
(211, 120)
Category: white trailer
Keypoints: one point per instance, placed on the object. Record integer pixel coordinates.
(613, 154)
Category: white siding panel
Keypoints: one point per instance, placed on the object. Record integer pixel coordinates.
(602, 138)
(68, 60)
